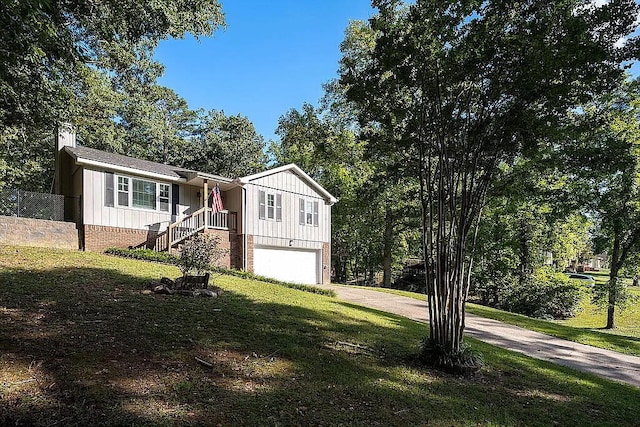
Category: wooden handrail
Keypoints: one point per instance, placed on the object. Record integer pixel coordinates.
(194, 223)
(197, 221)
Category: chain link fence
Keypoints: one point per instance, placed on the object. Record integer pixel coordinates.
(27, 204)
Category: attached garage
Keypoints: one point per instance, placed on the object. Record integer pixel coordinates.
(289, 265)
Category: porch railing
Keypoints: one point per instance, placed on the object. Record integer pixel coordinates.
(194, 223)
(223, 220)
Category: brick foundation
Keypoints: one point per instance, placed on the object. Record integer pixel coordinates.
(97, 238)
(326, 263)
(250, 253)
(228, 242)
(38, 232)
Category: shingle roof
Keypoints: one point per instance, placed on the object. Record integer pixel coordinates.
(128, 162)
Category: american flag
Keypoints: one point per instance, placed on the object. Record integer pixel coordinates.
(216, 200)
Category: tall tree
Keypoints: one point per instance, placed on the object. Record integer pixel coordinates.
(45, 43)
(608, 157)
(466, 86)
(226, 145)
(59, 61)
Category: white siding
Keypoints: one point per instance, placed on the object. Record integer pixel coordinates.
(289, 231)
(96, 213)
(189, 200)
(233, 203)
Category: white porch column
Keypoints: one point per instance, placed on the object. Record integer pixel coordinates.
(205, 202)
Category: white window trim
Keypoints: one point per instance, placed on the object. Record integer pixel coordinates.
(309, 210)
(270, 208)
(263, 208)
(130, 194)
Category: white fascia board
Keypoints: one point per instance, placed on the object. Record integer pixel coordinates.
(131, 171)
(302, 174)
(213, 177)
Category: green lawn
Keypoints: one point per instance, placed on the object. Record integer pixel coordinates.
(592, 317)
(83, 344)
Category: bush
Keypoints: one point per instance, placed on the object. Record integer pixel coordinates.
(144, 254)
(198, 253)
(548, 295)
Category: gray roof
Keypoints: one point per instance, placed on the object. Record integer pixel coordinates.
(106, 158)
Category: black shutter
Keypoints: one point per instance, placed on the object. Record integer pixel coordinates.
(278, 207)
(108, 189)
(175, 198)
(261, 204)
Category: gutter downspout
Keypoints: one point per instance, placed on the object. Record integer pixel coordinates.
(245, 250)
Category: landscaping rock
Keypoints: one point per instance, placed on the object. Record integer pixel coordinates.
(162, 289)
(205, 293)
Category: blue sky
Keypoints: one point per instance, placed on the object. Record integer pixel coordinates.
(273, 56)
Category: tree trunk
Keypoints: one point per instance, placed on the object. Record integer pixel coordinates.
(386, 255)
(612, 285)
(525, 252)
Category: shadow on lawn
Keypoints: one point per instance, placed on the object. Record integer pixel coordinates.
(101, 353)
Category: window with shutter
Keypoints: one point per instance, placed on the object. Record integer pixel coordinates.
(269, 205)
(140, 194)
(309, 212)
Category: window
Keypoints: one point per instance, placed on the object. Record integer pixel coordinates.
(269, 205)
(142, 194)
(123, 191)
(309, 212)
(164, 197)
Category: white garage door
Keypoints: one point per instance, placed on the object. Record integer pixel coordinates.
(288, 265)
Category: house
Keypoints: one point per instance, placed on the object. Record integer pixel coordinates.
(276, 223)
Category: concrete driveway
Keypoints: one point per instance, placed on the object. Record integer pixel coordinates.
(604, 363)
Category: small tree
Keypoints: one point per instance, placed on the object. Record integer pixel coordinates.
(199, 253)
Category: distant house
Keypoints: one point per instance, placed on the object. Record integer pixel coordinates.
(276, 223)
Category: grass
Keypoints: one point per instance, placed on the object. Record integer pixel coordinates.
(83, 344)
(593, 317)
(586, 327)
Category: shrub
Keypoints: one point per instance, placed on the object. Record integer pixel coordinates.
(144, 254)
(198, 254)
(548, 295)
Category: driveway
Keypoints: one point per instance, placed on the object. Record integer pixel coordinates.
(604, 363)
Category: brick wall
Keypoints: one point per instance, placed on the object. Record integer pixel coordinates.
(250, 253)
(326, 263)
(38, 232)
(228, 242)
(97, 238)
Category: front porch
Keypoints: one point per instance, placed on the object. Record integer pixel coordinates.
(199, 221)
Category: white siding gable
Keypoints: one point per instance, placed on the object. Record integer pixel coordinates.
(288, 231)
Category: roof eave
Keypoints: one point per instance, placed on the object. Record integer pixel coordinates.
(101, 165)
(330, 199)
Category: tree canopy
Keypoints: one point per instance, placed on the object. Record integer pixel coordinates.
(462, 87)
